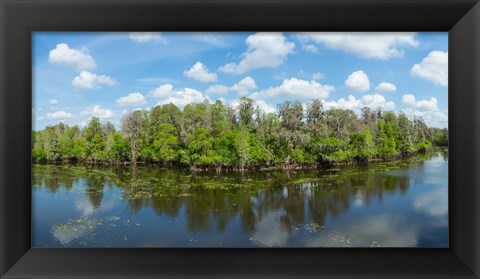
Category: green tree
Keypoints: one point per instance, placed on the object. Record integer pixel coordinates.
(385, 143)
(362, 145)
(132, 130)
(246, 111)
(165, 144)
(200, 147)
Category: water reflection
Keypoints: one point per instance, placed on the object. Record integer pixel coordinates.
(389, 204)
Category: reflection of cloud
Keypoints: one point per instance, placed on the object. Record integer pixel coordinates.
(433, 203)
(386, 230)
(358, 200)
(269, 232)
(85, 207)
(433, 171)
(437, 161)
(65, 236)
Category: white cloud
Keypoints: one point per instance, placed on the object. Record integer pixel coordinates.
(98, 111)
(354, 104)
(265, 107)
(433, 68)
(427, 109)
(74, 58)
(200, 73)
(53, 102)
(377, 100)
(179, 97)
(218, 89)
(243, 87)
(88, 80)
(145, 37)
(213, 40)
(358, 81)
(265, 50)
(295, 88)
(162, 91)
(386, 87)
(310, 48)
(381, 46)
(132, 99)
(59, 115)
(408, 99)
(317, 76)
(424, 105)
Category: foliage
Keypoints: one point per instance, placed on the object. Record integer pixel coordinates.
(205, 135)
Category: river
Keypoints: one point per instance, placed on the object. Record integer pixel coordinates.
(388, 204)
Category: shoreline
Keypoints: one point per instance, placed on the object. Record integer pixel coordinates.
(314, 166)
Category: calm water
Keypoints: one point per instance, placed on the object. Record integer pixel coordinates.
(400, 204)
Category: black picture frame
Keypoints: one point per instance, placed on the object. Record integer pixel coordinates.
(18, 18)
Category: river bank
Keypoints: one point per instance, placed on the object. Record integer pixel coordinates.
(219, 168)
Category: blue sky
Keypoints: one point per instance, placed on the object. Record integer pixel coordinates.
(80, 75)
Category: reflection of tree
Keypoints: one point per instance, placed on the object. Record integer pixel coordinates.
(53, 177)
(212, 200)
(94, 189)
(293, 203)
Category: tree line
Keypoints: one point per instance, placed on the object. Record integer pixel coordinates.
(206, 136)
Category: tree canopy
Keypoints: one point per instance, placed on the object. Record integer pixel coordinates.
(205, 135)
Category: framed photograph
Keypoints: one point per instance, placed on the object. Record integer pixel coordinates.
(239, 139)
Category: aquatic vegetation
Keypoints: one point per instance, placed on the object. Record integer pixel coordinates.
(343, 241)
(313, 227)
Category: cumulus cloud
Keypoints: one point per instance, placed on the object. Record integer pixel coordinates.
(243, 87)
(358, 81)
(411, 101)
(408, 99)
(433, 68)
(372, 101)
(98, 111)
(377, 100)
(179, 97)
(386, 87)
(427, 109)
(132, 99)
(200, 73)
(146, 37)
(296, 88)
(381, 46)
(53, 102)
(59, 115)
(265, 50)
(79, 60)
(88, 80)
(162, 91)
